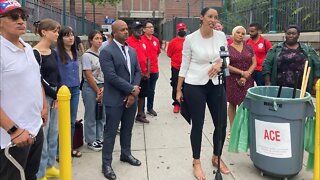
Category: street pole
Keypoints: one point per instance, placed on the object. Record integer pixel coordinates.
(202, 5)
(82, 20)
(188, 8)
(94, 15)
(23, 3)
(64, 13)
(274, 16)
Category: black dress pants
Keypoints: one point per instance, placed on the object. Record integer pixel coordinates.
(196, 97)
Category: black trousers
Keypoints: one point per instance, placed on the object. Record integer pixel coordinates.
(115, 115)
(29, 158)
(196, 97)
(174, 83)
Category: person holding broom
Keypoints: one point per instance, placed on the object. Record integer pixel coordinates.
(285, 61)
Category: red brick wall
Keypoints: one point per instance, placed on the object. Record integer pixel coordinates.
(180, 8)
(177, 8)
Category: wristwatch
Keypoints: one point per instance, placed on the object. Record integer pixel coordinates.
(13, 129)
(133, 90)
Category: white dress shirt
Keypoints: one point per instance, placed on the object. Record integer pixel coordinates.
(199, 55)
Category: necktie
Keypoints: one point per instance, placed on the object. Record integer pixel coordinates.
(127, 60)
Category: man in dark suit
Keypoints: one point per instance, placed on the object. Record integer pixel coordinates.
(122, 76)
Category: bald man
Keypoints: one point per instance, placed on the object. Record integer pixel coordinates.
(122, 77)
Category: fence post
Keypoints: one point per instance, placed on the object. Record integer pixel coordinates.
(316, 170)
(64, 97)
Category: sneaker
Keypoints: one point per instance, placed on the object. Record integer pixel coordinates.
(176, 108)
(52, 172)
(152, 112)
(100, 142)
(43, 178)
(95, 146)
(142, 120)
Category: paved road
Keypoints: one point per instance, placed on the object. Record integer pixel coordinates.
(163, 146)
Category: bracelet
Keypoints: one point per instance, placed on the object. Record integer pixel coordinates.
(18, 135)
(241, 73)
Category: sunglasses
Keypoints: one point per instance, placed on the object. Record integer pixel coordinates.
(16, 15)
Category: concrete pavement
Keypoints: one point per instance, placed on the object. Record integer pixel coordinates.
(163, 146)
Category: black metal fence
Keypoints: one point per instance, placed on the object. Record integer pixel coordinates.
(169, 27)
(38, 10)
(305, 13)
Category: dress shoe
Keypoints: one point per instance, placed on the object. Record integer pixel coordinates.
(152, 112)
(131, 160)
(223, 168)
(142, 120)
(109, 173)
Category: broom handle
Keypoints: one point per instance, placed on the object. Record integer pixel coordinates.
(305, 83)
(303, 77)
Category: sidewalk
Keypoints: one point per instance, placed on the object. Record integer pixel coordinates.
(163, 146)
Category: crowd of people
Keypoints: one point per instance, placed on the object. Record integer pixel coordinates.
(120, 75)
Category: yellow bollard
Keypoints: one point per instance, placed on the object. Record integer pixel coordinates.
(64, 97)
(316, 171)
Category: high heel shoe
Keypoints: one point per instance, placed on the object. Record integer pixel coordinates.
(197, 170)
(223, 168)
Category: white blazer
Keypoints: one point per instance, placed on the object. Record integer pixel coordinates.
(199, 55)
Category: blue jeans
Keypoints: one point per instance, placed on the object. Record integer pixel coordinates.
(152, 87)
(258, 78)
(50, 143)
(74, 101)
(93, 128)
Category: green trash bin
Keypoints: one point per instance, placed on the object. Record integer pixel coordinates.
(277, 129)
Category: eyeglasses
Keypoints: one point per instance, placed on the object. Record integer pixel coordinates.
(149, 27)
(15, 16)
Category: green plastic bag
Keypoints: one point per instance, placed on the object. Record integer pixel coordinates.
(309, 140)
(239, 137)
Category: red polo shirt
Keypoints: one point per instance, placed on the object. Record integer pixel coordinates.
(153, 50)
(141, 50)
(175, 52)
(261, 47)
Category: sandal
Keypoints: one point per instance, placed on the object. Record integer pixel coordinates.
(197, 170)
(223, 168)
(76, 153)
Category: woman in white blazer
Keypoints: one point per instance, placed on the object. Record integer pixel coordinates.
(201, 64)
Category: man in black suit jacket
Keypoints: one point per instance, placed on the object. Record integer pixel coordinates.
(122, 76)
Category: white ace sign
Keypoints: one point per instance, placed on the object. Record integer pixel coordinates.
(273, 139)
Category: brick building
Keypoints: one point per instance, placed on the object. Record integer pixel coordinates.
(157, 10)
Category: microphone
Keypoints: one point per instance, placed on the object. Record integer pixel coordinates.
(223, 55)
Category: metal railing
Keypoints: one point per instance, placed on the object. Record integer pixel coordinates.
(277, 17)
(169, 27)
(38, 10)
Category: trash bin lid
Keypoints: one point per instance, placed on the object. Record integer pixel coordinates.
(270, 93)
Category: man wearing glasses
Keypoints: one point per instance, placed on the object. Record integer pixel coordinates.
(153, 51)
(20, 115)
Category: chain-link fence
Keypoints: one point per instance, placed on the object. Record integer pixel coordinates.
(38, 11)
(277, 16)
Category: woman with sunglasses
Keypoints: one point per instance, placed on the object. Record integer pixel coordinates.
(69, 71)
(48, 30)
(20, 115)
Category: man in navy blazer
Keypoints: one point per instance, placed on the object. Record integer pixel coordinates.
(122, 77)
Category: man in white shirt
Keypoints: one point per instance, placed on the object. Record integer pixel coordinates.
(20, 115)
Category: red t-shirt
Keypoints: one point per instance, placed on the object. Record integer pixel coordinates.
(261, 47)
(175, 52)
(141, 50)
(153, 50)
